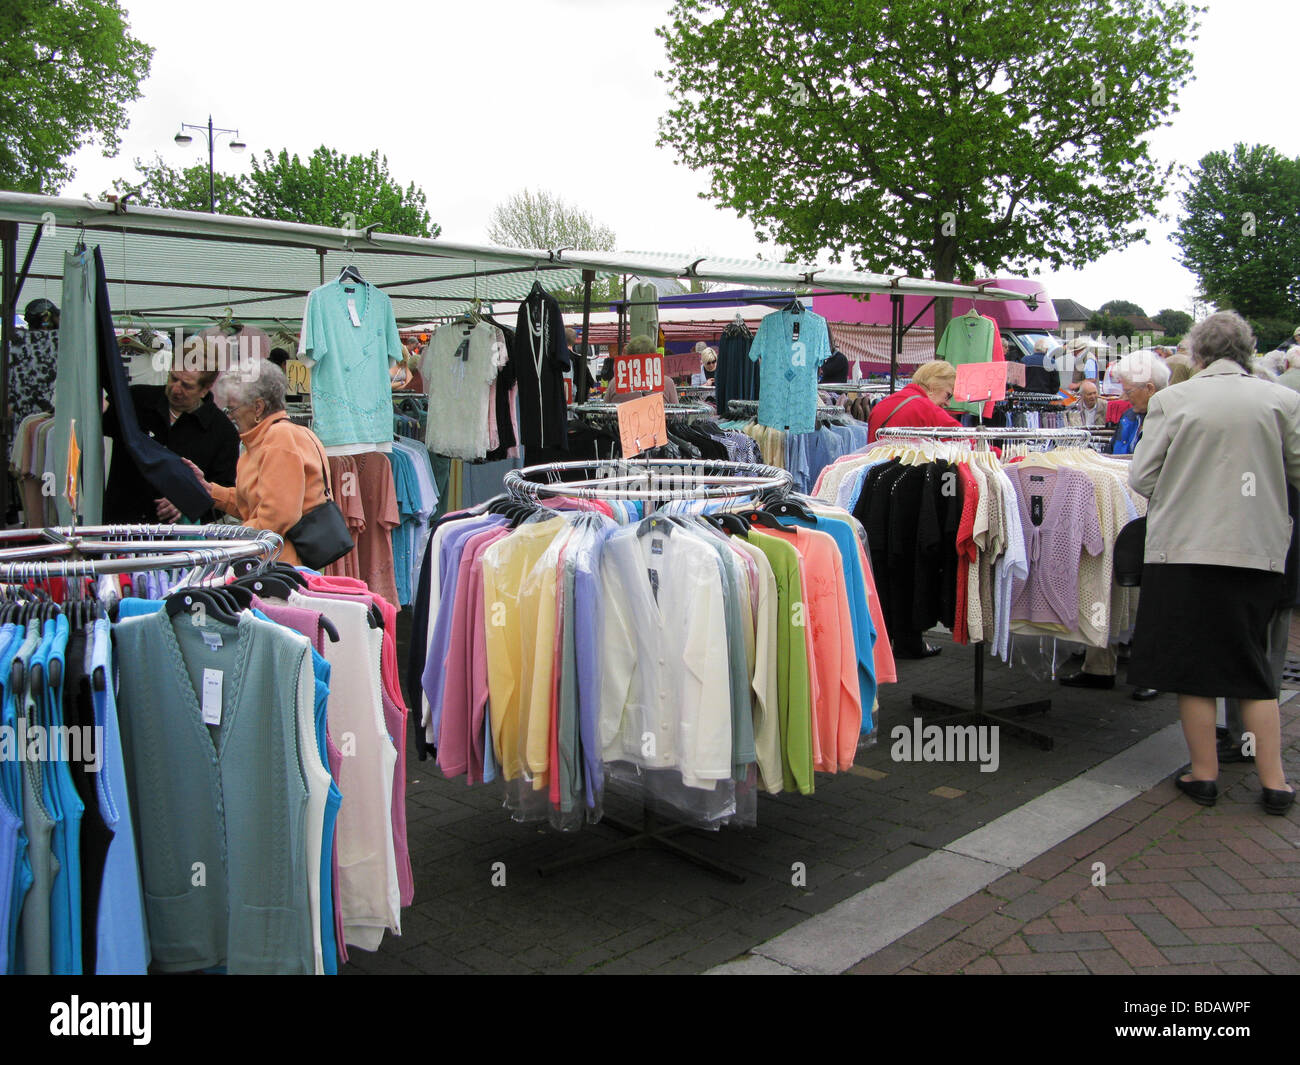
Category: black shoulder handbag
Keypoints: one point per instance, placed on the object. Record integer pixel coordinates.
(321, 535)
(1130, 551)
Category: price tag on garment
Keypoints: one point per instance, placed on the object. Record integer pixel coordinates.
(638, 373)
(352, 312)
(212, 679)
(1016, 374)
(981, 380)
(641, 425)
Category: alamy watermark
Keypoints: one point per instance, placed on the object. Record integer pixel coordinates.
(53, 743)
(919, 742)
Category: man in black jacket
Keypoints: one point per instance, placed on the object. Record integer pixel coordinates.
(183, 418)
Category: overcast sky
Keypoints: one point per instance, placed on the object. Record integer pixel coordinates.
(474, 101)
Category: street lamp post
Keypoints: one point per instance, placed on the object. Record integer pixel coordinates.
(210, 131)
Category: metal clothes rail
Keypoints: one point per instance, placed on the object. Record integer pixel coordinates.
(88, 551)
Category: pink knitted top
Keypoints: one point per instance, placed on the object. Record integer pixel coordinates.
(1064, 503)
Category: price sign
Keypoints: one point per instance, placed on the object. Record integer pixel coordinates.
(638, 373)
(1016, 374)
(641, 425)
(981, 380)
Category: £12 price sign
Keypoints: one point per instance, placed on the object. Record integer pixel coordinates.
(638, 373)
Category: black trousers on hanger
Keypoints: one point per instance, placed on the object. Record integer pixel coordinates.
(162, 468)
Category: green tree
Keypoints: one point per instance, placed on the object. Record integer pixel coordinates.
(1270, 331)
(162, 185)
(544, 221)
(334, 189)
(937, 137)
(67, 72)
(1174, 323)
(1239, 232)
(1123, 308)
(1106, 324)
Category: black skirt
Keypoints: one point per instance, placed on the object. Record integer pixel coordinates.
(1203, 630)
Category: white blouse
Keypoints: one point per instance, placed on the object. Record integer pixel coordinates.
(665, 692)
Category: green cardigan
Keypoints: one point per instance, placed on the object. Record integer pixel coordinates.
(220, 809)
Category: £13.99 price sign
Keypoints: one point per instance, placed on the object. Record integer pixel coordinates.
(638, 373)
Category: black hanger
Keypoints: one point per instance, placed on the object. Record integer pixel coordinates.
(794, 306)
(762, 517)
(264, 584)
(242, 595)
(790, 507)
(351, 273)
(732, 523)
(186, 599)
(376, 618)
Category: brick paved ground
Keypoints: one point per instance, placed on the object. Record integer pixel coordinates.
(650, 911)
(1187, 890)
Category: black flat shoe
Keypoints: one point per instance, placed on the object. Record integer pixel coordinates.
(927, 651)
(1230, 752)
(1277, 800)
(1144, 695)
(1088, 680)
(1206, 792)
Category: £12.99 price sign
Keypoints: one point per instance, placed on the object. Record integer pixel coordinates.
(638, 373)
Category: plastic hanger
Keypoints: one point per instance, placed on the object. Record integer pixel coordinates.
(790, 508)
(190, 599)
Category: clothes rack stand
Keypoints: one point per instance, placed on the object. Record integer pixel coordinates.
(86, 551)
(1004, 717)
(685, 479)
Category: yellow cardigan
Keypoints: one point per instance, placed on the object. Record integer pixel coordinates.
(280, 476)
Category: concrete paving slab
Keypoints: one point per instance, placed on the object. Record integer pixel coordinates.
(1146, 763)
(1022, 835)
(857, 927)
(754, 965)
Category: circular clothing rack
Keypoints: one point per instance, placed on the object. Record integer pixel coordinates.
(649, 479)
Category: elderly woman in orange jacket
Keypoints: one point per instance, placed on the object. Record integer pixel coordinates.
(281, 474)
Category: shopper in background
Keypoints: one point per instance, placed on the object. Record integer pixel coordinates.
(281, 474)
(1215, 459)
(183, 418)
(1141, 374)
(1091, 408)
(920, 403)
(708, 364)
(1041, 375)
(835, 370)
(34, 361)
(1291, 375)
(1079, 363)
(1180, 367)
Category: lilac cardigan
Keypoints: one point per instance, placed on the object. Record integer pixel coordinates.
(1069, 526)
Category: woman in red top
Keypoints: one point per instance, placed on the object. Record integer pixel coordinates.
(920, 403)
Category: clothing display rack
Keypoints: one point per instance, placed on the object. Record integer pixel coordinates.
(697, 391)
(748, 408)
(63, 552)
(977, 714)
(689, 479)
(671, 410)
(857, 388)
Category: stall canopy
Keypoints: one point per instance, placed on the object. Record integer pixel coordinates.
(181, 267)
